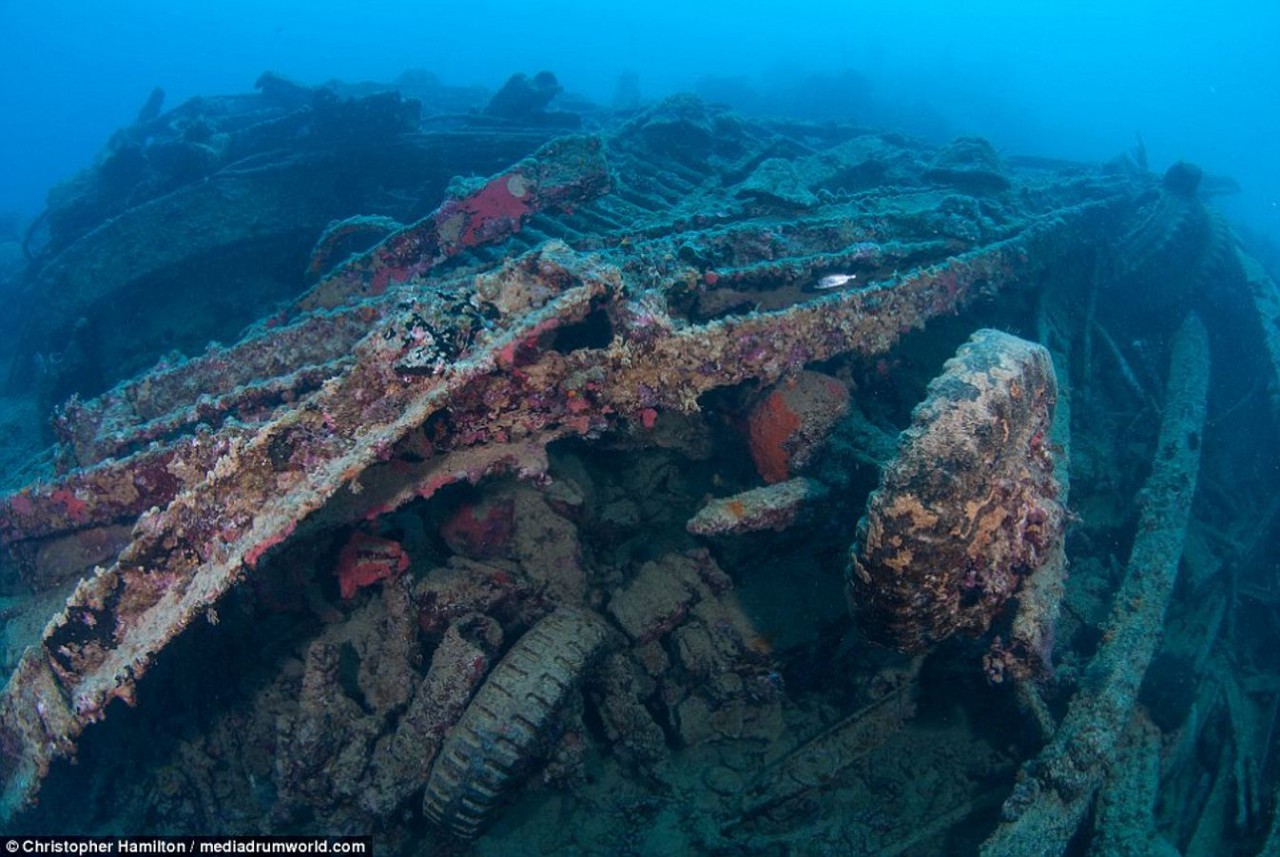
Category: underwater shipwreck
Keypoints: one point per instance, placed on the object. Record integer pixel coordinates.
(499, 473)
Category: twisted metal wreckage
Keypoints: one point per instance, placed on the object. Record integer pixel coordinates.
(603, 287)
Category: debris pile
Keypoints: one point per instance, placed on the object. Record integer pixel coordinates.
(536, 487)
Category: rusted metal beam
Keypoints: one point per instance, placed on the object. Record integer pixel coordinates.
(1056, 788)
(567, 171)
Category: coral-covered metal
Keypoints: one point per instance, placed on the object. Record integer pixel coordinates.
(479, 358)
(683, 276)
(969, 508)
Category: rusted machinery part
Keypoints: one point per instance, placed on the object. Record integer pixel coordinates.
(1057, 787)
(1128, 798)
(111, 491)
(270, 192)
(1172, 234)
(692, 359)
(504, 729)
(969, 507)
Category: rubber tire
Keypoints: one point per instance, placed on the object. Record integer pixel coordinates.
(501, 732)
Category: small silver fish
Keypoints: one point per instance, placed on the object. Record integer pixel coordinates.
(834, 281)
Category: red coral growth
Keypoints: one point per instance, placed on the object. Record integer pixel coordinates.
(481, 530)
(786, 426)
(366, 559)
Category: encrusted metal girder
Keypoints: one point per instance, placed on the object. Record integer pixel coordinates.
(1055, 789)
(275, 366)
(658, 364)
(81, 506)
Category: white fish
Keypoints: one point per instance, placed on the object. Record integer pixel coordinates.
(835, 281)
